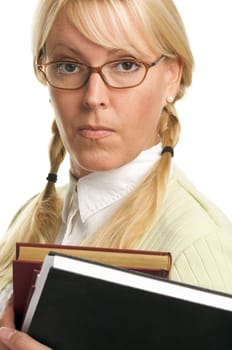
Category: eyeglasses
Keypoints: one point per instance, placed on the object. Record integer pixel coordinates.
(119, 74)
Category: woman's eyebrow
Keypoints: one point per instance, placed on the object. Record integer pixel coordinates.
(67, 47)
(76, 52)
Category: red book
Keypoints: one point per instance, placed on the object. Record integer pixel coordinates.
(30, 256)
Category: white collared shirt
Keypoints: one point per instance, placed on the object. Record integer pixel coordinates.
(92, 199)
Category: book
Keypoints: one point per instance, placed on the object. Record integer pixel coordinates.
(29, 258)
(24, 277)
(80, 304)
(143, 260)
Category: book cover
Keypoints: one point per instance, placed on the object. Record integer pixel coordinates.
(143, 260)
(24, 276)
(29, 258)
(79, 304)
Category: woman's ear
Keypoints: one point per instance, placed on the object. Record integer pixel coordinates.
(174, 75)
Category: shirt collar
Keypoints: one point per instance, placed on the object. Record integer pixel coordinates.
(100, 189)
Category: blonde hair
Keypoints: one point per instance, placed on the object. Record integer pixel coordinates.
(164, 32)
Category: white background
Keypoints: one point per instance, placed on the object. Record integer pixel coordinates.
(204, 150)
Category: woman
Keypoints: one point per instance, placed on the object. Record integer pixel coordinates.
(114, 70)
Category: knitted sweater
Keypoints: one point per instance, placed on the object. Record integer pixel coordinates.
(197, 234)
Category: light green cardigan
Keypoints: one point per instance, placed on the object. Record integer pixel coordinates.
(197, 234)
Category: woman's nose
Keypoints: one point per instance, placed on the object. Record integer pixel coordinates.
(96, 92)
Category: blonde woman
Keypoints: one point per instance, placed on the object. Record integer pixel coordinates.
(114, 70)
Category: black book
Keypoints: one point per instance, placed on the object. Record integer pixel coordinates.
(78, 304)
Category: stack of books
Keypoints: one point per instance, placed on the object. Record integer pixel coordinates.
(29, 259)
(86, 304)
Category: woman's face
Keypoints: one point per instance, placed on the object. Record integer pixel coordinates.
(101, 127)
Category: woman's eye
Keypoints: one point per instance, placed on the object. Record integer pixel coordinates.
(127, 66)
(67, 67)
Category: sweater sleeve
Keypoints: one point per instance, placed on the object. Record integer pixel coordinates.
(206, 262)
(4, 296)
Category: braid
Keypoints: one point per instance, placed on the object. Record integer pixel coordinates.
(56, 157)
(169, 130)
(47, 216)
(39, 220)
(169, 127)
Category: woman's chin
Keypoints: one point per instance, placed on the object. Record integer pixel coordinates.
(85, 168)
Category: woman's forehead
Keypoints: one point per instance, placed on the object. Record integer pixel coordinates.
(68, 26)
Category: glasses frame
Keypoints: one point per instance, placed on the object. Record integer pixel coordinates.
(42, 68)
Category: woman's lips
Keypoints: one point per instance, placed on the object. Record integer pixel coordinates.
(95, 133)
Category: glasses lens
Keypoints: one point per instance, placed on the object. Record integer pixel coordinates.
(66, 75)
(125, 73)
